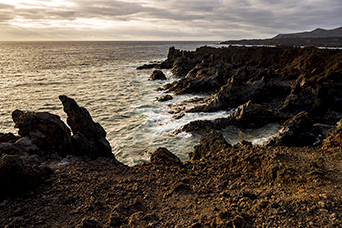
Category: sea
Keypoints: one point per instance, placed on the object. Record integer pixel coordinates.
(102, 77)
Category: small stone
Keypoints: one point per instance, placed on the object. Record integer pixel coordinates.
(115, 219)
(263, 203)
(321, 204)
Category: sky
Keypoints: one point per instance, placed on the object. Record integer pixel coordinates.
(207, 20)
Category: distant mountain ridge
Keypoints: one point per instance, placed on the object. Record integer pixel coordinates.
(317, 33)
(317, 38)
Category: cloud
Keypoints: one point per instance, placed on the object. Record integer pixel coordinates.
(165, 19)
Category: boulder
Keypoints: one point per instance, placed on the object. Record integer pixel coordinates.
(213, 142)
(157, 75)
(47, 128)
(89, 138)
(294, 132)
(16, 177)
(163, 156)
(164, 98)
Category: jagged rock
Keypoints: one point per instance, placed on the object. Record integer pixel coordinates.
(248, 114)
(9, 148)
(294, 132)
(148, 66)
(236, 92)
(304, 97)
(157, 75)
(178, 116)
(89, 138)
(44, 127)
(165, 98)
(164, 157)
(16, 177)
(211, 143)
(29, 145)
(8, 137)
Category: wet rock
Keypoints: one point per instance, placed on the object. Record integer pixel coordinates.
(148, 66)
(16, 177)
(178, 116)
(45, 127)
(89, 137)
(164, 157)
(164, 98)
(211, 143)
(157, 75)
(294, 132)
(246, 115)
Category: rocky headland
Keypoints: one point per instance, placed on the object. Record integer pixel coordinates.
(316, 38)
(53, 176)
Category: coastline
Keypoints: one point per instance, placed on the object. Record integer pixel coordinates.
(292, 180)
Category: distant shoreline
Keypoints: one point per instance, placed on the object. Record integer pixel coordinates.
(317, 42)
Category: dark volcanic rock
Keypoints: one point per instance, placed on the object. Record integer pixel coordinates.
(248, 114)
(237, 91)
(164, 157)
(16, 177)
(45, 127)
(213, 142)
(8, 137)
(164, 98)
(157, 75)
(89, 137)
(295, 132)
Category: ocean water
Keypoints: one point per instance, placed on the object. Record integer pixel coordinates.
(102, 77)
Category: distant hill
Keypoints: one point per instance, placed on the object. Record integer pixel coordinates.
(318, 38)
(317, 33)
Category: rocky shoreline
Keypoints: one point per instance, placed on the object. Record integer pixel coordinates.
(53, 176)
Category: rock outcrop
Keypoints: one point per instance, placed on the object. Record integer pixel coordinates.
(48, 129)
(246, 115)
(213, 142)
(89, 138)
(164, 98)
(157, 75)
(163, 156)
(296, 131)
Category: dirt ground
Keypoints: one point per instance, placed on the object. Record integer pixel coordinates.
(249, 186)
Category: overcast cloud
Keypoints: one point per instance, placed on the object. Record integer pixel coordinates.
(163, 19)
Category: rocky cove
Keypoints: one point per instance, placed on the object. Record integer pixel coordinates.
(52, 176)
